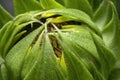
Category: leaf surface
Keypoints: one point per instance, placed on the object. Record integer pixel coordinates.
(45, 65)
(15, 57)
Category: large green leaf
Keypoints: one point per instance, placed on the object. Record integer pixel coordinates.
(76, 53)
(115, 44)
(83, 42)
(81, 47)
(46, 62)
(4, 16)
(22, 6)
(111, 38)
(83, 39)
(31, 58)
(110, 29)
(76, 69)
(107, 58)
(108, 23)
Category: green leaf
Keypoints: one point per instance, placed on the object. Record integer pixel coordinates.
(83, 5)
(45, 60)
(115, 42)
(80, 37)
(16, 55)
(22, 6)
(110, 32)
(4, 16)
(110, 28)
(75, 72)
(107, 58)
(50, 4)
(109, 24)
(31, 57)
(81, 44)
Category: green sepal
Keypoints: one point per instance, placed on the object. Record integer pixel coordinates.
(75, 67)
(15, 58)
(45, 60)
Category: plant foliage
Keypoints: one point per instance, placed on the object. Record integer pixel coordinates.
(60, 40)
